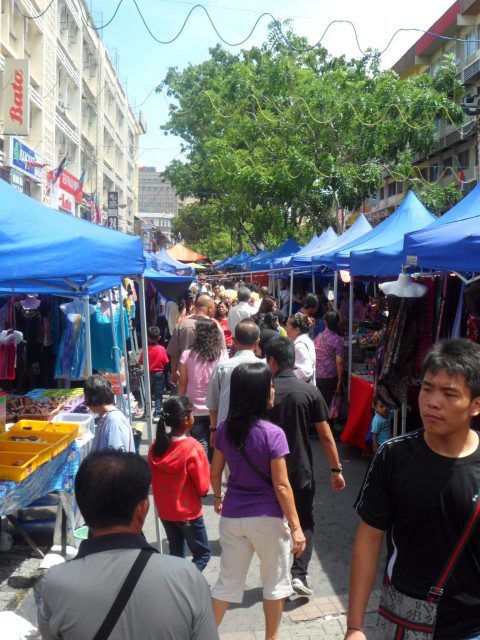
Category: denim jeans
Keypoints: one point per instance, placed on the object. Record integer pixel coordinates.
(192, 532)
(200, 432)
(157, 387)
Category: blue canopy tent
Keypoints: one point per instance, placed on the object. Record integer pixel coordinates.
(39, 243)
(411, 215)
(303, 258)
(388, 260)
(269, 261)
(451, 247)
(468, 207)
(239, 260)
(250, 264)
(359, 228)
(167, 263)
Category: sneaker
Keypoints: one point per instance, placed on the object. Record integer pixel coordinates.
(301, 588)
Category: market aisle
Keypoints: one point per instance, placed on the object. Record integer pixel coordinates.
(323, 615)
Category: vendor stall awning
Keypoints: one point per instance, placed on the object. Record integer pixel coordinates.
(167, 263)
(184, 254)
(317, 244)
(37, 242)
(411, 215)
(359, 228)
(288, 248)
(446, 247)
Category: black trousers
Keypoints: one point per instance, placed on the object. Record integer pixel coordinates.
(304, 504)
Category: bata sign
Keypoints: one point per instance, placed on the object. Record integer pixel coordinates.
(63, 193)
(16, 97)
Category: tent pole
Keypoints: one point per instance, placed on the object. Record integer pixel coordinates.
(313, 281)
(291, 293)
(146, 380)
(350, 336)
(335, 291)
(146, 372)
(88, 335)
(118, 365)
(125, 353)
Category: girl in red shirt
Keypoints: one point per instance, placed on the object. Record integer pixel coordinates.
(180, 475)
(221, 317)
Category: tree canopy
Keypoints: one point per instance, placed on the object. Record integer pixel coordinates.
(277, 142)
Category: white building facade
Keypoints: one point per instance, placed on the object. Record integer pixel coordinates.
(78, 110)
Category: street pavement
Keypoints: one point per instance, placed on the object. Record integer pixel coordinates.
(320, 616)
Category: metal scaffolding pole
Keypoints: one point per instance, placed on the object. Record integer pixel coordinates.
(88, 335)
(350, 336)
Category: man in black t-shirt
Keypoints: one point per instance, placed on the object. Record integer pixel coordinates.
(420, 489)
(298, 406)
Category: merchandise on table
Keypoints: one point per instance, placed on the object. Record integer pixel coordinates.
(24, 407)
(29, 444)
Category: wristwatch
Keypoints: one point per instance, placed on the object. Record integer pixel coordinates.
(212, 429)
(338, 469)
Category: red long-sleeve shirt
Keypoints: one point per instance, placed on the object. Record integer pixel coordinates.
(179, 478)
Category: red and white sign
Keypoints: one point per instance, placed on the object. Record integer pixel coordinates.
(16, 97)
(62, 196)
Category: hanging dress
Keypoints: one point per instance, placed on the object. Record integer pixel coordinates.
(103, 357)
(72, 352)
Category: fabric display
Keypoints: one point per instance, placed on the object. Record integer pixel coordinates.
(359, 414)
(72, 352)
(9, 341)
(103, 356)
(30, 323)
(400, 349)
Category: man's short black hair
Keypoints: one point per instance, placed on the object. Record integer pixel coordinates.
(282, 350)
(244, 294)
(109, 486)
(459, 357)
(311, 301)
(98, 391)
(332, 319)
(247, 333)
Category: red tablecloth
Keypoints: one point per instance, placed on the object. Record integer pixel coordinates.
(359, 414)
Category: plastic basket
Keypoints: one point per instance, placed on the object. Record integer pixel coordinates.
(9, 471)
(84, 420)
(64, 432)
(42, 451)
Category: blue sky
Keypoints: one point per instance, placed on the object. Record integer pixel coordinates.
(143, 62)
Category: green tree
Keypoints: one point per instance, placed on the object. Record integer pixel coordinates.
(278, 141)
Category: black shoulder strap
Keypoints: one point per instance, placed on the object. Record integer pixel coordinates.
(437, 591)
(254, 468)
(124, 594)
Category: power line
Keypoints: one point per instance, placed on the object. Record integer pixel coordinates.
(39, 15)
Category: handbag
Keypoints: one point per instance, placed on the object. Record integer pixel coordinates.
(335, 405)
(401, 617)
(123, 596)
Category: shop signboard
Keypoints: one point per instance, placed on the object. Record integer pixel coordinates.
(25, 160)
(16, 180)
(147, 238)
(16, 97)
(113, 209)
(63, 194)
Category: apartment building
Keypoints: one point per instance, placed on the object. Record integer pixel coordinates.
(159, 222)
(78, 110)
(456, 148)
(155, 192)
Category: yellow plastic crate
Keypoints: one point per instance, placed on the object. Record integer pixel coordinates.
(42, 451)
(17, 473)
(61, 434)
(51, 445)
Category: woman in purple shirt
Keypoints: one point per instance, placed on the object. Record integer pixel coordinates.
(258, 502)
(329, 352)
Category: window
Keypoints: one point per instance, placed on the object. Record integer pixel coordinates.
(464, 159)
(448, 162)
(391, 189)
(434, 172)
(470, 46)
(382, 193)
(399, 187)
(424, 173)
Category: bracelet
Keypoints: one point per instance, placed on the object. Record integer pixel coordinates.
(337, 469)
(218, 497)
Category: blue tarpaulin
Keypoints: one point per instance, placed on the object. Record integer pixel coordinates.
(165, 262)
(303, 258)
(411, 215)
(261, 255)
(239, 260)
(37, 242)
(288, 248)
(359, 228)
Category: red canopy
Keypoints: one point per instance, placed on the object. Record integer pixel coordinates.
(184, 254)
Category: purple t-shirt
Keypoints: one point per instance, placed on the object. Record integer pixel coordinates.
(247, 494)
